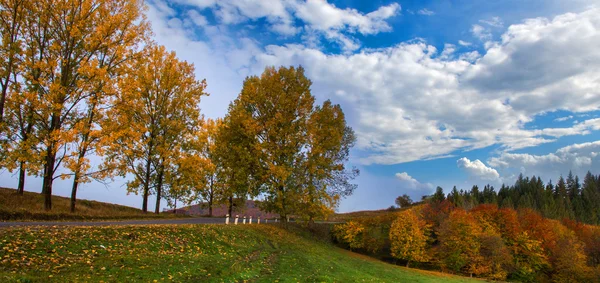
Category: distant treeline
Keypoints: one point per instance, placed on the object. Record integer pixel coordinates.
(570, 198)
(504, 235)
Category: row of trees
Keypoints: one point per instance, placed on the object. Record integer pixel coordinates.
(63, 63)
(87, 95)
(567, 199)
(497, 243)
(274, 143)
(485, 241)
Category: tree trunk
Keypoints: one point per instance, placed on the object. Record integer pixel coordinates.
(210, 206)
(210, 198)
(146, 186)
(231, 205)
(74, 192)
(22, 170)
(159, 189)
(48, 176)
(283, 215)
(81, 155)
(407, 263)
(175, 209)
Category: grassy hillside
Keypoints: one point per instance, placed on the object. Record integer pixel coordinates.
(188, 253)
(30, 206)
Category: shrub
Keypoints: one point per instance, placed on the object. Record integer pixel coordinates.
(350, 234)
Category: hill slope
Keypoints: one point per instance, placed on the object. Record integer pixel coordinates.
(30, 206)
(188, 253)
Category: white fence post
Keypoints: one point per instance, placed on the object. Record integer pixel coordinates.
(258, 220)
(227, 219)
(236, 219)
(250, 221)
(244, 222)
(266, 220)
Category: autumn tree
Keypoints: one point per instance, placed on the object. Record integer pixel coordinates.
(157, 107)
(403, 200)
(66, 41)
(409, 237)
(12, 18)
(209, 187)
(235, 157)
(16, 123)
(329, 143)
(283, 130)
(459, 244)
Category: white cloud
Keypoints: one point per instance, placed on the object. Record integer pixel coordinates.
(408, 102)
(448, 51)
(477, 169)
(320, 15)
(426, 12)
(494, 22)
(223, 61)
(562, 119)
(234, 12)
(577, 157)
(481, 32)
(464, 43)
(196, 18)
(410, 183)
(412, 102)
(316, 15)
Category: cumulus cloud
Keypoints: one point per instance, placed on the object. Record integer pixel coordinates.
(481, 32)
(234, 12)
(477, 169)
(412, 101)
(578, 158)
(408, 182)
(335, 24)
(321, 15)
(408, 102)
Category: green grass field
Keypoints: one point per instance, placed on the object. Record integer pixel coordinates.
(30, 206)
(187, 253)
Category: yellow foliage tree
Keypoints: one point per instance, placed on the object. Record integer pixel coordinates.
(12, 14)
(66, 45)
(459, 243)
(156, 111)
(350, 233)
(329, 140)
(409, 236)
(295, 152)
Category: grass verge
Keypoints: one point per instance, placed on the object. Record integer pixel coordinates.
(187, 253)
(30, 206)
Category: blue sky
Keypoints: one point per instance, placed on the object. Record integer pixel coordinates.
(440, 93)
